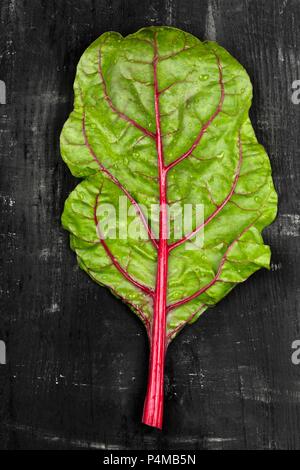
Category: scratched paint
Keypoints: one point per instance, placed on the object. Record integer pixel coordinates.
(210, 26)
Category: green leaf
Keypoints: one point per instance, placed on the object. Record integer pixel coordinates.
(162, 95)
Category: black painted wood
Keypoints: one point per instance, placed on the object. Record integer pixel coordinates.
(77, 357)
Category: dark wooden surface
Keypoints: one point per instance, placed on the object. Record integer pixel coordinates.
(77, 357)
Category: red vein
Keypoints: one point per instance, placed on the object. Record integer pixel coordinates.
(177, 82)
(207, 124)
(113, 259)
(119, 184)
(174, 54)
(182, 324)
(136, 307)
(140, 312)
(217, 276)
(220, 207)
(153, 407)
(116, 110)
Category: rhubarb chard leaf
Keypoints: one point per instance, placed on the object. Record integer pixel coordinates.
(161, 119)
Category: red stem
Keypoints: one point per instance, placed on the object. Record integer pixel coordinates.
(153, 407)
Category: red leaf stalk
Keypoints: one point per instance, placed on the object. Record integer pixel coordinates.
(153, 407)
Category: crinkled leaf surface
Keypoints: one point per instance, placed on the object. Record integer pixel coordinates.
(210, 150)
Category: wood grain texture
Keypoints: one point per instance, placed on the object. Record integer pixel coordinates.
(77, 357)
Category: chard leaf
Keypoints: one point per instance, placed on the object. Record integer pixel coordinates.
(161, 118)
